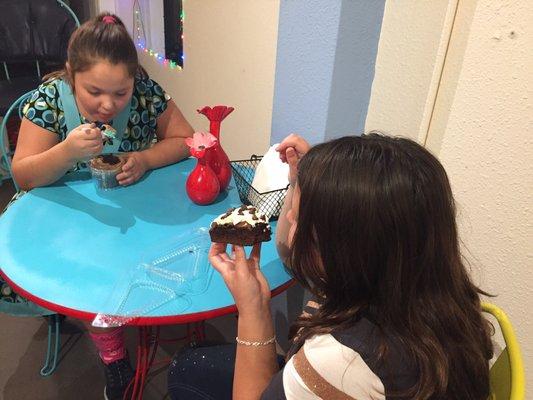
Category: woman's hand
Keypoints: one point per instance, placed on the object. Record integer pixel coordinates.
(133, 170)
(83, 143)
(242, 276)
(291, 150)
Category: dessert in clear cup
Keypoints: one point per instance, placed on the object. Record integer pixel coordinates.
(105, 169)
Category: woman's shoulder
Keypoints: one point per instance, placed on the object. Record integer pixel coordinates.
(349, 362)
(369, 340)
(383, 352)
(325, 368)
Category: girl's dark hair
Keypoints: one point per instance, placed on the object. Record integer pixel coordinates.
(103, 37)
(376, 230)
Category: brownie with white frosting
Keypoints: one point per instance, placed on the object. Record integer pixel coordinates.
(243, 226)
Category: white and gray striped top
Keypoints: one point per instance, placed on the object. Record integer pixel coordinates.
(344, 365)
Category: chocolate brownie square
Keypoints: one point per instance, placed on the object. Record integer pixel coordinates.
(243, 226)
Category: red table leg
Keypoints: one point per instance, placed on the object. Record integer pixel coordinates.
(146, 351)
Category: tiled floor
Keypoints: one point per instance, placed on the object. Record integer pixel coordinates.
(79, 375)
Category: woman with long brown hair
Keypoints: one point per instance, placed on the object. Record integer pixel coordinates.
(368, 226)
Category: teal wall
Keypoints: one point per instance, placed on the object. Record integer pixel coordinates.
(325, 63)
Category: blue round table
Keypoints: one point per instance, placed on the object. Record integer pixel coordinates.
(67, 247)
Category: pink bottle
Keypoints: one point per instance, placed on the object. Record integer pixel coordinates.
(216, 156)
(202, 184)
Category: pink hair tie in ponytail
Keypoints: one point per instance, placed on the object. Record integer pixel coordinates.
(109, 19)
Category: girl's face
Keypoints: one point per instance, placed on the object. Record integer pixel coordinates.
(292, 214)
(102, 91)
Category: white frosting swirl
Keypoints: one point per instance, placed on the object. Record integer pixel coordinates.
(244, 213)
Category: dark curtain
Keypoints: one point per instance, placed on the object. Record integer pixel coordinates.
(173, 30)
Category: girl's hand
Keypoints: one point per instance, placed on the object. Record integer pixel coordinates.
(83, 143)
(242, 276)
(133, 170)
(291, 150)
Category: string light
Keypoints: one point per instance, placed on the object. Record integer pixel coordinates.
(140, 40)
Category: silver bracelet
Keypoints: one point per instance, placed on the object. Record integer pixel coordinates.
(255, 344)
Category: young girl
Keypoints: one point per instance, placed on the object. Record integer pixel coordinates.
(102, 82)
(368, 226)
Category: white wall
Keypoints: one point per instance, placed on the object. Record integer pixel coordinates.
(230, 49)
(482, 133)
(456, 76)
(230, 52)
(411, 51)
(152, 14)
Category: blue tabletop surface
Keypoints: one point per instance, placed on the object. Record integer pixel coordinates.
(72, 246)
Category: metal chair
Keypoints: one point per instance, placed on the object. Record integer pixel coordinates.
(507, 380)
(19, 306)
(27, 36)
(6, 152)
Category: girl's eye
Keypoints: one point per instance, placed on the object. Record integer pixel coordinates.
(121, 94)
(94, 93)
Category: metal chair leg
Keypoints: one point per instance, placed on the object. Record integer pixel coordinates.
(52, 351)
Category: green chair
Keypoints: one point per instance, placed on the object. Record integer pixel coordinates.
(10, 303)
(507, 380)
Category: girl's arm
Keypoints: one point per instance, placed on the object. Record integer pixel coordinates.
(172, 129)
(40, 159)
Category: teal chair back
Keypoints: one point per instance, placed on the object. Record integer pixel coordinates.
(16, 109)
(35, 15)
(19, 306)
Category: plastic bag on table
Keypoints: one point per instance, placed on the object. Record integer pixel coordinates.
(167, 273)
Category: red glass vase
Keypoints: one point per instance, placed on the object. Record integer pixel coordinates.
(216, 157)
(202, 184)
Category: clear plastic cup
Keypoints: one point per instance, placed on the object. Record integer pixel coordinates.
(104, 170)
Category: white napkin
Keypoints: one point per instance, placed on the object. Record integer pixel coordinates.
(271, 173)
